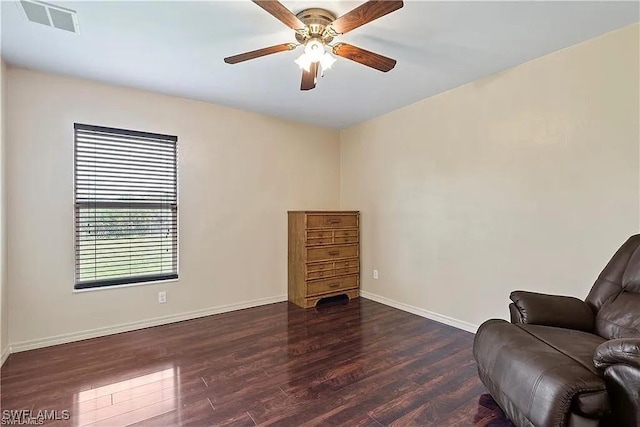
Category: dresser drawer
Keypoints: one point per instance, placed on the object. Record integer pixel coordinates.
(345, 239)
(332, 252)
(317, 241)
(332, 220)
(342, 233)
(355, 262)
(319, 271)
(319, 266)
(331, 285)
(346, 270)
(312, 275)
(330, 237)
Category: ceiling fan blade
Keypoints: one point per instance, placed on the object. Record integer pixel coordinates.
(364, 57)
(363, 14)
(260, 52)
(281, 13)
(309, 77)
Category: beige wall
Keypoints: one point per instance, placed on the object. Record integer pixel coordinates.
(4, 313)
(238, 175)
(527, 179)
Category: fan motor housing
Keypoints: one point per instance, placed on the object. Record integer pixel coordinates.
(316, 20)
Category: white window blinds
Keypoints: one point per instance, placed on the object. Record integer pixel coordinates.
(126, 207)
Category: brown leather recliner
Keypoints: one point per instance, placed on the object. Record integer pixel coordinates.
(567, 362)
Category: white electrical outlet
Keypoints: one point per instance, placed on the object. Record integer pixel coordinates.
(162, 297)
(375, 274)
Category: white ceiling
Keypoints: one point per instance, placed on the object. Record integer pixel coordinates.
(177, 48)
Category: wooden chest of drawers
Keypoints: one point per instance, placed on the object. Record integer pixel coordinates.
(324, 255)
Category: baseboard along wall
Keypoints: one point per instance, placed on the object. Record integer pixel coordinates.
(460, 324)
(126, 327)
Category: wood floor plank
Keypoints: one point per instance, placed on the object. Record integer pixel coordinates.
(372, 392)
(356, 364)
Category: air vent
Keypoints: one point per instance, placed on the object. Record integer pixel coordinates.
(50, 15)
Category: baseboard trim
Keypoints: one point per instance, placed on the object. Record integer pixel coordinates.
(460, 324)
(4, 355)
(126, 327)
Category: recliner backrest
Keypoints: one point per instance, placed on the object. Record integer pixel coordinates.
(615, 296)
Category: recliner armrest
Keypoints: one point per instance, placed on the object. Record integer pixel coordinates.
(622, 350)
(620, 361)
(553, 310)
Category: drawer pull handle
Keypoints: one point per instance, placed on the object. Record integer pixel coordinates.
(334, 221)
(335, 285)
(334, 253)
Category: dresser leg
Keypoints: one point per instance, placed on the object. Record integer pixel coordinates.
(312, 302)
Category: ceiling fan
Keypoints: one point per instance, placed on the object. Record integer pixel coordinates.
(315, 29)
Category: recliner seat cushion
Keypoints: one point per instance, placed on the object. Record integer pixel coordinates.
(578, 345)
(534, 381)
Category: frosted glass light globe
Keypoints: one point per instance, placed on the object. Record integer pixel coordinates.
(314, 49)
(303, 62)
(327, 61)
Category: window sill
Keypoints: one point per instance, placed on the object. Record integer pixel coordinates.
(128, 285)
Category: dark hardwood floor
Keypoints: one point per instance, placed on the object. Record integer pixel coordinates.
(355, 364)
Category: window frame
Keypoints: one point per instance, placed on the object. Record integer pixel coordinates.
(80, 286)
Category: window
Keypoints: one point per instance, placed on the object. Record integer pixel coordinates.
(126, 207)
